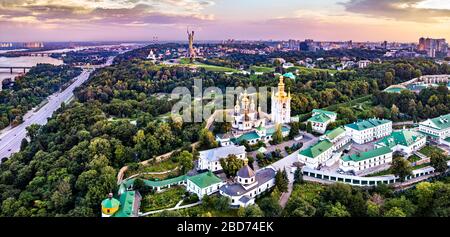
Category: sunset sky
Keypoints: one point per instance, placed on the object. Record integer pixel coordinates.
(359, 20)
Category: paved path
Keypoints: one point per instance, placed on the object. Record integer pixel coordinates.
(11, 138)
(280, 146)
(288, 161)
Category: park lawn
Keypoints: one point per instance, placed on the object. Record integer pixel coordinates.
(262, 69)
(185, 60)
(306, 70)
(174, 173)
(214, 68)
(428, 150)
(160, 166)
(166, 165)
(166, 199)
(211, 68)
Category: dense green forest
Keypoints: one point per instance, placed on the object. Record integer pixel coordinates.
(429, 103)
(340, 200)
(30, 90)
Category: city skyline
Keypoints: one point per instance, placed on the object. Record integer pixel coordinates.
(137, 20)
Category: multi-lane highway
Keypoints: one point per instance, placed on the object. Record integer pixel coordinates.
(10, 138)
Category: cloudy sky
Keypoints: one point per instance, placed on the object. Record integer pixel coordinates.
(359, 20)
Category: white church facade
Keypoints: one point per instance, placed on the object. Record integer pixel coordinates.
(245, 116)
(281, 105)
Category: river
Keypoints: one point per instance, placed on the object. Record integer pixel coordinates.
(25, 61)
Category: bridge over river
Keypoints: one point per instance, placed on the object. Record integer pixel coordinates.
(11, 68)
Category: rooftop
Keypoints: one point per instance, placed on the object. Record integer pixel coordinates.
(244, 199)
(110, 203)
(245, 137)
(157, 183)
(317, 149)
(261, 176)
(394, 89)
(322, 111)
(442, 122)
(366, 124)
(216, 154)
(335, 133)
(272, 130)
(204, 180)
(246, 172)
(403, 137)
(129, 204)
(368, 154)
(319, 118)
(289, 75)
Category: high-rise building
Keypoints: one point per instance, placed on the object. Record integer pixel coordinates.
(307, 45)
(432, 46)
(421, 46)
(293, 44)
(6, 45)
(33, 45)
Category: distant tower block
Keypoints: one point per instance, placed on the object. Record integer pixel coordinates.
(191, 51)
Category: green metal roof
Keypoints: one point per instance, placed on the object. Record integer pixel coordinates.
(272, 130)
(442, 122)
(319, 118)
(317, 149)
(404, 137)
(246, 137)
(322, 111)
(393, 90)
(110, 203)
(126, 204)
(205, 180)
(159, 183)
(289, 75)
(335, 132)
(366, 124)
(368, 154)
